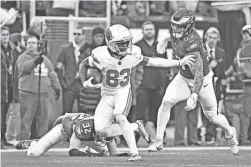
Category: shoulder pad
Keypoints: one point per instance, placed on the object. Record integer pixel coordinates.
(193, 42)
(193, 47)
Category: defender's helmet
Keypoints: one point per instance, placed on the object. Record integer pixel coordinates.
(118, 39)
(102, 141)
(182, 23)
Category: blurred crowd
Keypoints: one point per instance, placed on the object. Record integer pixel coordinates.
(31, 85)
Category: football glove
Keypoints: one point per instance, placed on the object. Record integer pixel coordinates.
(187, 60)
(88, 84)
(191, 102)
(162, 45)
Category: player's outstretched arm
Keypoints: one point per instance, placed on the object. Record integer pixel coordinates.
(197, 71)
(160, 62)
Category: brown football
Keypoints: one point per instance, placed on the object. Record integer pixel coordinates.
(96, 74)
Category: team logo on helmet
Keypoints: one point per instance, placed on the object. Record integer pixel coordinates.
(108, 34)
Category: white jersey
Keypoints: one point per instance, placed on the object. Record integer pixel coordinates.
(116, 72)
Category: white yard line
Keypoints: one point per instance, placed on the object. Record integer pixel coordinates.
(145, 149)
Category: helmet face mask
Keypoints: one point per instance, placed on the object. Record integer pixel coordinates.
(178, 30)
(101, 141)
(119, 39)
(123, 46)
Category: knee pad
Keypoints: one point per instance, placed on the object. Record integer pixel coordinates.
(120, 118)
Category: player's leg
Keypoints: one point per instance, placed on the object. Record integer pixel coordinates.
(123, 100)
(109, 150)
(177, 91)
(115, 130)
(54, 136)
(209, 105)
(112, 147)
(104, 115)
(75, 143)
(103, 118)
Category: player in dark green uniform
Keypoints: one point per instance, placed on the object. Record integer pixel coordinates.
(79, 127)
(192, 83)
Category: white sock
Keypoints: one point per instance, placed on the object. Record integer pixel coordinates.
(222, 121)
(163, 118)
(129, 136)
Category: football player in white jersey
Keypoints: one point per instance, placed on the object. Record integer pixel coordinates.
(115, 61)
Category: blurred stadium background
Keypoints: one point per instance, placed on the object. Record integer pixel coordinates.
(63, 16)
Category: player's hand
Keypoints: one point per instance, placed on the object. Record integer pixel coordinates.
(88, 84)
(188, 60)
(213, 64)
(191, 102)
(161, 47)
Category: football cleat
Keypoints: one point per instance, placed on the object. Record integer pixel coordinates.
(142, 131)
(155, 146)
(135, 157)
(25, 144)
(233, 141)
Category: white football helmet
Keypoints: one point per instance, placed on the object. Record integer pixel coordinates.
(119, 39)
(246, 28)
